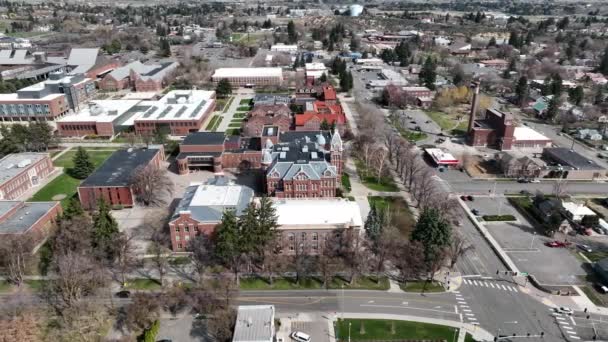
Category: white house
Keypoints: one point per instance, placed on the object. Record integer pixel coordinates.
(576, 212)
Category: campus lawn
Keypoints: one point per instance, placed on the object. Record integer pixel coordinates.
(233, 131)
(243, 109)
(401, 216)
(346, 182)
(421, 286)
(596, 255)
(143, 284)
(368, 179)
(227, 104)
(97, 157)
(245, 102)
(214, 123)
(63, 184)
(445, 121)
(378, 329)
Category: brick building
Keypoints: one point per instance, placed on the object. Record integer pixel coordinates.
(47, 100)
(249, 77)
(178, 113)
(267, 115)
(111, 181)
(34, 219)
(138, 76)
(202, 206)
(21, 171)
(325, 108)
(296, 164)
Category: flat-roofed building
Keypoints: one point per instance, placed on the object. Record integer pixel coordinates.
(202, 206)
(138, 76)
(31, 219)
(20, 172)
(284, 48)
(566, 163)
(254, 323)
(112, 180)
(178, 113)
(314, 71)
(249, 77)
(306, 223)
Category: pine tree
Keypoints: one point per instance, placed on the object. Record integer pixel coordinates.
(105, 230)
(599, 96)
(433, 231)
(373, 225)
(324, 125)
(576, 95)
(72, 209)
(292, 35)
(553, 108)
(603, 67)
(428, 75)
(223, 87)
(323, 78)
(83, 166)
(521, 90)
(227, 242)
(514, 39)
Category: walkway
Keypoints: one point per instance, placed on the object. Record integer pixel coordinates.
(228, 114)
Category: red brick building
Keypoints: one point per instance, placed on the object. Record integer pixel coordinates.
(297, 164)
(34, 219)
(21, 171)
(267, 115)
(326, 108)
(138, 76)
(112, 180)
(249, 77)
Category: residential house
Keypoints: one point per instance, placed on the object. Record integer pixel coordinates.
(519, 167)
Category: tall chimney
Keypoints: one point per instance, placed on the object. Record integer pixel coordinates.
(474, 105)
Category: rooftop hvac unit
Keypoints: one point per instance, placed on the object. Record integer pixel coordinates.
(24, 163)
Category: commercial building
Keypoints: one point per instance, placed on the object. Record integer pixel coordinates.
(202, 206)
(254, 323)
(498, 64)
(565, 163)
(249, 77)
(314, 71)
(270, 99)
(20, 172)
(308, 223)
(284, 48)
(267, 115)
(138, 76)
(47, 100)
(178, 113)
(90, 62)
(296, 164)
(112, 180)
(31, 219)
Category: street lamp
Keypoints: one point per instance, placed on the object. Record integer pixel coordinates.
(349, 324)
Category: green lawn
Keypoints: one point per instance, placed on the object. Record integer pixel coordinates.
(97, 157)
(35, 285)
(400, 213)
(368, 179)
(64, 183)
(595, 297)
(421, 286)
(234, 125)
(228, 103)
(283, 283)
(596, 255)
(468, 338)
(377, 329)
(143, 284)
(233, 131)
(179, 261)
(445, 121)
(346, 182)
(4, 286)
(245, 102)
(239, 115)
(243, 109)
(214, 122)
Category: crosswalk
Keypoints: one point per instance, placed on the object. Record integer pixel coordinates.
(566, 323)
(490, 284)
(465, 310)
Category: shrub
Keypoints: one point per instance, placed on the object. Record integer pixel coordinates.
(149, 334)
(499, 218)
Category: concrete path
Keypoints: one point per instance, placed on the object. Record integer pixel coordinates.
(229, 114)
(350, 117)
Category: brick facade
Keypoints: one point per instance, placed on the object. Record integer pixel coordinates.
(26, 178)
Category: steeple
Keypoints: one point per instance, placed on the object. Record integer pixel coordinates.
(269, 144)
(336, 142)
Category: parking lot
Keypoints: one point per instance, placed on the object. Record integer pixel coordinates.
(314, 325)
(526, 247)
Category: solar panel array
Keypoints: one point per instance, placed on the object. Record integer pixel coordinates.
(197, 109)
(181, 111)
(150, 112)
(165, 112)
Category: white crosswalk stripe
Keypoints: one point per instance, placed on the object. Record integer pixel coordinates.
(569, 328)
(575, 337)
(490, 284)
(560, 318)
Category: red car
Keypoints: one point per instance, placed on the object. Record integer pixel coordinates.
(557, 244)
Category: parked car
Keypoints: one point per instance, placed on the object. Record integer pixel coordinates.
(470, 198)
(463, 197)
(300, 336)
(584, 248)
(427, 121)
(417, 128)
(523, 180)
(475, 212)
(557, 244)
(564, 310)
(535, 181)
(123, 294)
(413, 122)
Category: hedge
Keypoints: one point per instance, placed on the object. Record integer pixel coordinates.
(149, 334)
(499, 218)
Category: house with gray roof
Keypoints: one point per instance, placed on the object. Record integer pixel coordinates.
(202, 206)
(31, 220)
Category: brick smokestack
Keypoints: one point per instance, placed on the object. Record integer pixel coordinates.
(474, 105)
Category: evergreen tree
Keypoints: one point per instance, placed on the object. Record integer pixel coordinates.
(553, 108)
(599, 96)
(428, 74)
(323, 78)
(72, 209)
(492, 42)
(603, 67)
(227, 242)
(433, 231)
(521, 90)
(514, 39)
(556, 86)
(354, 44)
(576, 95)
(105, 230)
(83, 166)
(324, 125)
(223, 88)
(373, 223)
(292, 35)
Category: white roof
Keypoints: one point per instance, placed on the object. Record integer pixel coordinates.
(101, 111)
(283, 47)
(526, 133)
(254, 323)
(214, 195)
(141, 95)
(369, 60)
(577, 209)
(315, 67)
(330, 213)
(247, 72)
(15, 97)
(440, 156)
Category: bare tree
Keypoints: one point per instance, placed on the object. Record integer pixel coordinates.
(73, 235)
(159, 260)
(385, 247)
(273, 262)
(424, 188)
(303, 262)
(350, 247)
(152, 185)
(380, 161)
(175, 299)
(559, 188)
(457, 248)
(201, 248)
(409, 261)
(328, 262)
(437, 262)
(221, 325)
(143, 310)
(16, 257)
(126, 260)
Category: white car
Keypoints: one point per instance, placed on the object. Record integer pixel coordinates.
(564, 310)
(300, 336)
(535, 181)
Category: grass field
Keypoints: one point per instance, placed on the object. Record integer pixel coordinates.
(596, 255)
(143, 284)
(233, 131)
(595, 297)
(214, 123)
(400, 213)
(243, 109)
(421, 287)
(4, 286)
(376, 329)
(282, 283)
(64, 183)
(368, 179)
(227, 104)
(245, 102)
(239, 115)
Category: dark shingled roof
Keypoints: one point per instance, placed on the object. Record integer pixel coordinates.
(571, 158)
(117, 170)
(205, 138)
